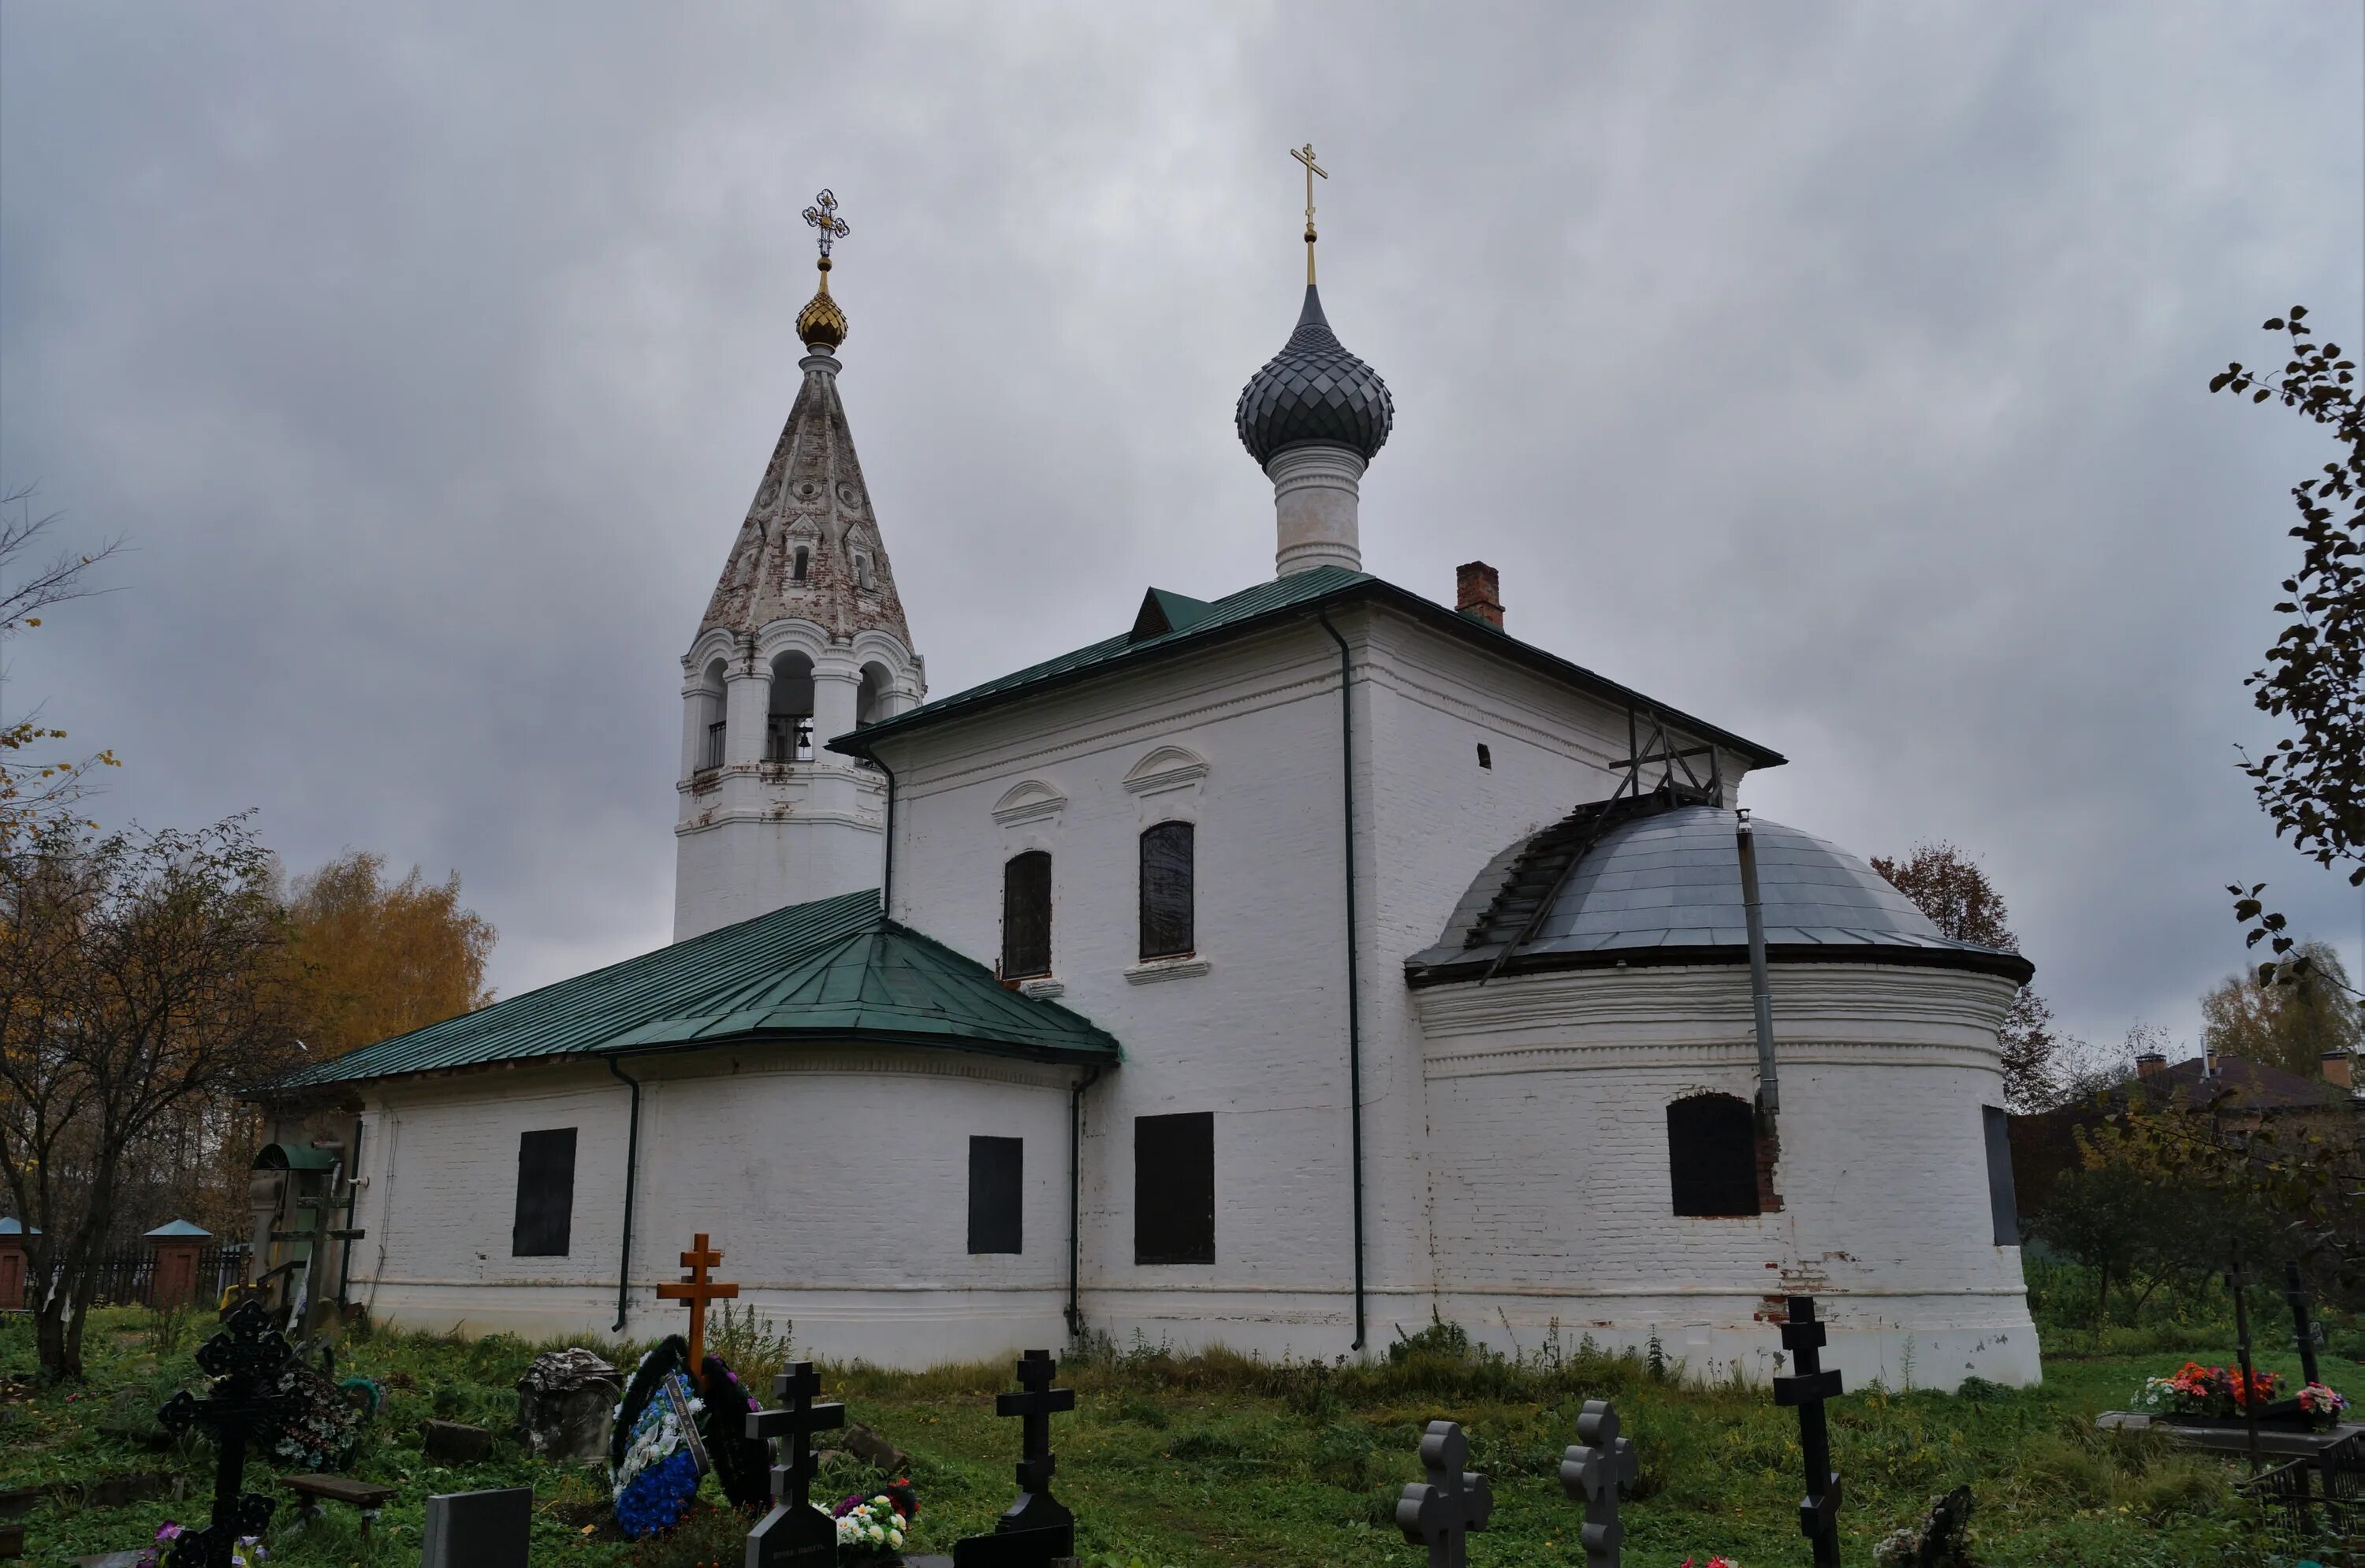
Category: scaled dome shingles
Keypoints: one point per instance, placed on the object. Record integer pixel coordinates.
(1314, 390)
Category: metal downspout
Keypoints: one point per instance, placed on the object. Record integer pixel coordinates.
(887, 871)
(345, 1247)
(631, 1178)
(1354, 979)
(1075, 1203)
(1761, 992)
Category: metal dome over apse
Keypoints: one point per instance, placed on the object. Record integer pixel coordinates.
(1314, 391)
(1666, 889)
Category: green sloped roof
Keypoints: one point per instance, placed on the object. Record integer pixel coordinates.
(1196, 625)
(835, 967)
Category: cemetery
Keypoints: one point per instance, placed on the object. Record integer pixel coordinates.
(213, 1442)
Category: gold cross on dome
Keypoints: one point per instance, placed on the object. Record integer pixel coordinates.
(822, 215)
(1306, 155)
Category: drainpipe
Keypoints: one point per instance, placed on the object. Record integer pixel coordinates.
(1354, 987)
(887, 872)
(1761, 992)
(345, 1247)
(1075, 1188)
(632, 1176)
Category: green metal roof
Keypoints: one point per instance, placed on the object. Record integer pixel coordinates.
(1196, 623)
(835, 968)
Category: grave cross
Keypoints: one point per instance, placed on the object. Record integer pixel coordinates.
(1441, 1512)
(1037, 1529)
(244, 1360)
(1819, 1510)
(1594, 1471)
(697, 1290)
(794, 1532)
(2303, 1325)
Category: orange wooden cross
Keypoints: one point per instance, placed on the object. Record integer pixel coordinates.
(697, 1290)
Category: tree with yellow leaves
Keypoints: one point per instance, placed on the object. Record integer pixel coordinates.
(373, 958)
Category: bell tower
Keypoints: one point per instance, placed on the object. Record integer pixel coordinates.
(803, 640)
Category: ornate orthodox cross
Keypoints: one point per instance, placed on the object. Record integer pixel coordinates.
(1594, 1472)
(822, 215)
(794, 1532)
(1034, 1404)
(1819, 1510)
(1441, 1512)
(244, 1360)
(1306, 155)
(697, 1290)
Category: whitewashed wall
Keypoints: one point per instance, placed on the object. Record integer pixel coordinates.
(835, 1180)
(1547, 1096)
(1247, 740)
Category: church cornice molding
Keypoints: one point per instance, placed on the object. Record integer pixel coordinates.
(1028, 803)
(1713, 1002)
(1734, 1059)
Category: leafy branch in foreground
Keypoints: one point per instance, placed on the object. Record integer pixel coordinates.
(2312, 783)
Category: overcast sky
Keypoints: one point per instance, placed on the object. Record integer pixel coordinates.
(1835, 374)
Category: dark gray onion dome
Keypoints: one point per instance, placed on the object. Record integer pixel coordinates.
(1314, 390)
(1665, 888)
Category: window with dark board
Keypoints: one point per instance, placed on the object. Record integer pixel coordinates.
(1174, 1187)
(1026, 915)
(996, 1188)
(546, 1193)
(2003, 1200)
(1712, 1156)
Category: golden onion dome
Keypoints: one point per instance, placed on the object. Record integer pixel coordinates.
(820, 325)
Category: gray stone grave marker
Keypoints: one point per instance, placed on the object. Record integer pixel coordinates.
(1441, 1512)
(1594, 1472)
(478, 1530)
(1037, 1529)
(795, 1534)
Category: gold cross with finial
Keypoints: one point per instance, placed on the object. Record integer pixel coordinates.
(822, 215)
(1306, 155)
(697, 1290)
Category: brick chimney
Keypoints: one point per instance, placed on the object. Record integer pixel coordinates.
(1477, 593)
(2340, 1068)
(2149, 1063)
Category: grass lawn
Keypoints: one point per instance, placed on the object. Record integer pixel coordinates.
(1218, 1460)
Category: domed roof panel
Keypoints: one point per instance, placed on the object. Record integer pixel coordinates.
(1669, 883)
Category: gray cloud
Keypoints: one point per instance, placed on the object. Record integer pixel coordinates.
(1837, 374)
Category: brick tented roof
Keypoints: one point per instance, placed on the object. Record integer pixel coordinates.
(834, 969)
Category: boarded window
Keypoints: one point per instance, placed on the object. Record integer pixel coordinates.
(1174, 1189)
(1026, 915)
(2003, 1202)
(1712, 1156)
(1166, 890)
(996, 1166)
(546, 1193)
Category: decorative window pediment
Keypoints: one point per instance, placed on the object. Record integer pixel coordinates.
(1030, 801)
(1166, 768)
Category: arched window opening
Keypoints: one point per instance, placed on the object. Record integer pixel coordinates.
(1712, 1156)
(804, 565)
(788, 724)
(1026, 915)
(870, 697)
(1168, 891)
(715, 707)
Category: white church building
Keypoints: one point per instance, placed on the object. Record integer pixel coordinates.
(1281, 972)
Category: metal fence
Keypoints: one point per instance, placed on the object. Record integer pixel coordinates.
(2319, 1495)
(127, 1275)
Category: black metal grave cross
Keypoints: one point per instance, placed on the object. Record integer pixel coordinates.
(1037, 1528)
(1595, 1471)
(1819, 1510)
(2303, 1325)
(794, 1532)
(1441, 1512)
(244, 1360)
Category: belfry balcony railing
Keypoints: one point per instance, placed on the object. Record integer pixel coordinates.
(712, 757)
(788, 737)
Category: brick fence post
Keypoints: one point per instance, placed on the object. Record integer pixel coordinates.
(173, 1280)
